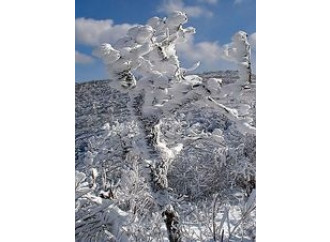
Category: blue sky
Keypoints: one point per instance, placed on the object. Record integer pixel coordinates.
(215, 21)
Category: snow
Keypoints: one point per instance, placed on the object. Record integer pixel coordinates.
(177, 158)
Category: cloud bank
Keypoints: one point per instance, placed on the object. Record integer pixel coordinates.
(83, 59)
(169, 6)
(93, 32)
(210, 54)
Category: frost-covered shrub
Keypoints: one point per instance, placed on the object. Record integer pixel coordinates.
(197, 170)
(214, 156)
(110, 187)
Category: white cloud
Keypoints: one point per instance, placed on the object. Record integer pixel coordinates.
(210, 54)
(170, 6)
(209, 1)
(83, 59)
(203, 51)
(95, 32)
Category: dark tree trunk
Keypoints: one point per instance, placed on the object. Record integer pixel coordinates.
(172, 225)
(250, 72)
(171, 217)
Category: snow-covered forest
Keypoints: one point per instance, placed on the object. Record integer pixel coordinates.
(163, 154)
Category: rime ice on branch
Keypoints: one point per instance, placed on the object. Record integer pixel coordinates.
(146, 58)
(240, 51)
(145, 62)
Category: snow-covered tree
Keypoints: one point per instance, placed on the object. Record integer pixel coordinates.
(136, 174)
(145, 63)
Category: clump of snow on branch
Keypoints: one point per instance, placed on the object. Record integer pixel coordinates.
(146, 58)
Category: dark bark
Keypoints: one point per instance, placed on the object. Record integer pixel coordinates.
(250, 72)
(172, 225)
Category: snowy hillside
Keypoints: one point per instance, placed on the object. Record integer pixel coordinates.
(209, 184)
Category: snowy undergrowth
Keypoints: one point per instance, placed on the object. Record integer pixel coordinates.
(114, 183)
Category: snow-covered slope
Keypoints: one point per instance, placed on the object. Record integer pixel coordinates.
(211, 177)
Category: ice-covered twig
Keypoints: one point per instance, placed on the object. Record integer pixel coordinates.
(232, 114)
